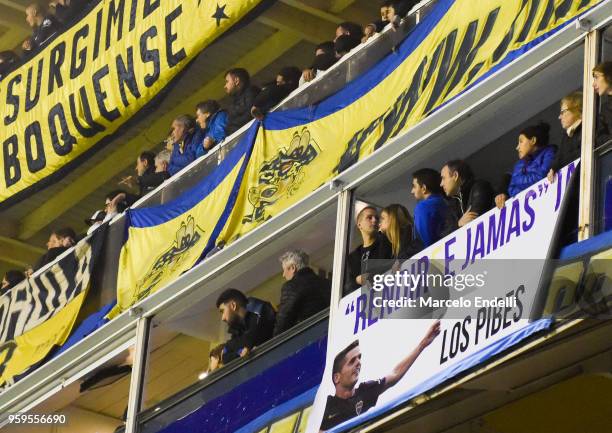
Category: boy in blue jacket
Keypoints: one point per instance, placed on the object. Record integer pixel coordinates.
(432, 216)
(212, 122)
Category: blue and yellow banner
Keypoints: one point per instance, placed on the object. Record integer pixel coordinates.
(66, 101)
(166, 240)
(458, 44)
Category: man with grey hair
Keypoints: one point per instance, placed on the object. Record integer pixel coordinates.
(303, 295)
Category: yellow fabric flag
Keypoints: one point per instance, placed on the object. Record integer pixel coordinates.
(92, 78)
(458, 44)
(167, 240)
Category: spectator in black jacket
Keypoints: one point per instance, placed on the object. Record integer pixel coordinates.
(351, 29)
(242, 94)
(325, 57)
(375, 246)
(571, 139)
(8, 61)
(44, 26)
(11, 279)
(602, 83)
(303, 295)
(247, 329)
(59, 241)
(287, 81)
(151, 171)
(344, 44)
(145, 166)
(469, 197)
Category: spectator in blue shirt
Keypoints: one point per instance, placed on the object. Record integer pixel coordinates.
(536, 158)
(432, 216)
(212, 122)
(181, 143)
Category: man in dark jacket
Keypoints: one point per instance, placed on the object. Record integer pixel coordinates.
(303, 295)
(469, 197)
(59, 241)
(369, 257)
(287, 80)
(248, 329)
(242, 94)
(602, 84)
(44, 26)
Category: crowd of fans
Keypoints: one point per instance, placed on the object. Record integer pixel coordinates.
(252, 321)
(447, 199)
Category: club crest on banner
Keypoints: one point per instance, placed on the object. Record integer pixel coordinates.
(282, 175)
(187, 236)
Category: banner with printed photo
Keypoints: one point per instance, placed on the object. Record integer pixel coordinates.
(459, 43)
(94, 77)
(456, 304)
(39, 313)
(165, 241)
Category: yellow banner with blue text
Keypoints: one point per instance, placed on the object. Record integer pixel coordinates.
(62, 104)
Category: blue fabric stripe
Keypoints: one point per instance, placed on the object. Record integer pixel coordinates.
(450, 372)
(150, 217)
(302, 401)
(364, 83)
(587, 247)
(249, 137)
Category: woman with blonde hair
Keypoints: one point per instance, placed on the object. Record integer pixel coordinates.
(570, 117)
(397, 225)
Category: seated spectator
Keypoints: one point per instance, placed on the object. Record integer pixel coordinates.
(374, 247)
(351, 29)
(303, 295)
(181, 143)
(469, 197)
(215, 358)
(212, 122)
(325, 57)
(397, 226)
(248, 329)
(287, 80)
(602, 83)
(536, 157)
(571, 139)
(8, 61)
(242, 94)
(59, 241)
(95, 221)
(344, 44)
(11, 279)
(44, 26)
(432, 215)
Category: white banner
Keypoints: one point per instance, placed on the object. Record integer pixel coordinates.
(388, 345)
